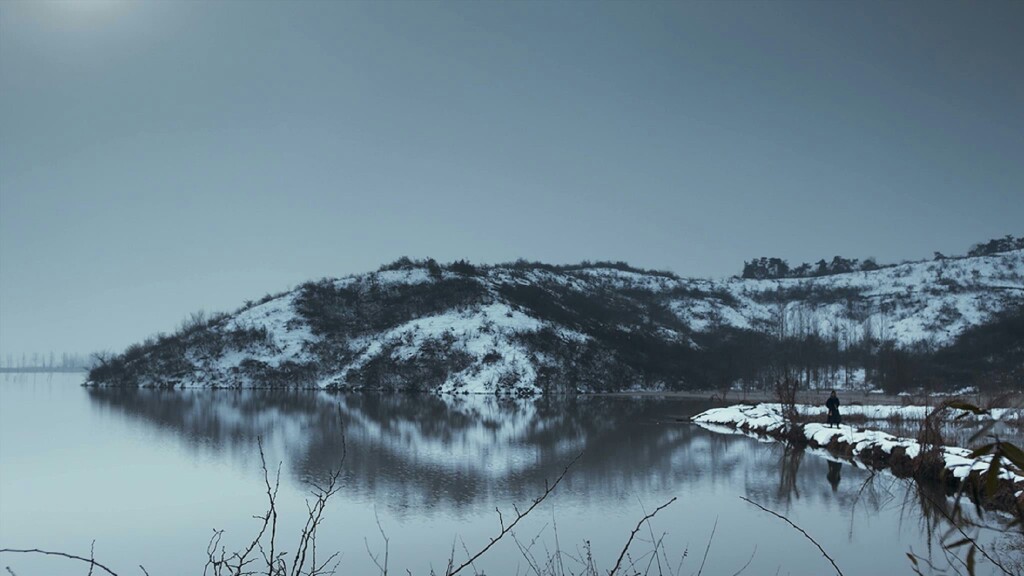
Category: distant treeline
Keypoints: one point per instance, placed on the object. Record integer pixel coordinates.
(466, 268)
(36, 362)
(774, 268)
(42, 370)
(634, 341)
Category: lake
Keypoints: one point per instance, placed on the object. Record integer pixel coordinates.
(148, 475)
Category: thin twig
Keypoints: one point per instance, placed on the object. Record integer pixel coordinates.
(682, 558)
(749, 560)
(632, 535)
(62, 554)
(654, 541)
(383, 569)
(527, 553)
(506, 529)
(708, 548)
(802, 531)
(558, 546)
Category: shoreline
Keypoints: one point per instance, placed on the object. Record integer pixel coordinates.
(1003, 399)
(1006, 399)
(956, 469)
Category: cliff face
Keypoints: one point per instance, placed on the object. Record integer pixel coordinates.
(526, 328)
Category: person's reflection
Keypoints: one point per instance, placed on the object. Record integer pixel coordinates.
(834, 470)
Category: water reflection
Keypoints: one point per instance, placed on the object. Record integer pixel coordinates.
(835, 471)
(422, 450)
(789, 467)
(437, 467)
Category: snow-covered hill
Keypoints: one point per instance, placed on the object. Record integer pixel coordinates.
(525, 328)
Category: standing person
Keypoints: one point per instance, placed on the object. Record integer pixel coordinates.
(833, 410)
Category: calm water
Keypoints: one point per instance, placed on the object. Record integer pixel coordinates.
(148, 475)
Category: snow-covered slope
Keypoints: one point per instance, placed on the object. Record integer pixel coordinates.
(527, 328)
(931, 302)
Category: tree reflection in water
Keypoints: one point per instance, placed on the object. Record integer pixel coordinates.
(789, 467)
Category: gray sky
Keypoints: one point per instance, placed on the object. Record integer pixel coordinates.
(165, 157)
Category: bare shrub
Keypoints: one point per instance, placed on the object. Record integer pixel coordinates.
(785, 392)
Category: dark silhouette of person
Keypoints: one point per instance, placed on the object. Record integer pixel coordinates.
(833, 410)
(834, 471)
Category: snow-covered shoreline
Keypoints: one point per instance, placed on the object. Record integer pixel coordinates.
(875, 448)
(898, 412)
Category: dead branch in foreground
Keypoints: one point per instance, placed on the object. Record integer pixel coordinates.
(548, 489)
(90, 561)
(802, 531)
(632, 534)
(274, 562)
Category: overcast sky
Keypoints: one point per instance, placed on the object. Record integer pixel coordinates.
(165, 157)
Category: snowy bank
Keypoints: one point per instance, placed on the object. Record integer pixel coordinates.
(895, 412)
(872, 447)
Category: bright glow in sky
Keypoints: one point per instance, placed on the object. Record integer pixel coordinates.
(164, 157)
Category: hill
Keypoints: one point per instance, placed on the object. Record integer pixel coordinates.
(526, 328)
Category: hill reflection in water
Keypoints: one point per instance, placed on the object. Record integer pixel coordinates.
(421, 457)
(426, 448)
